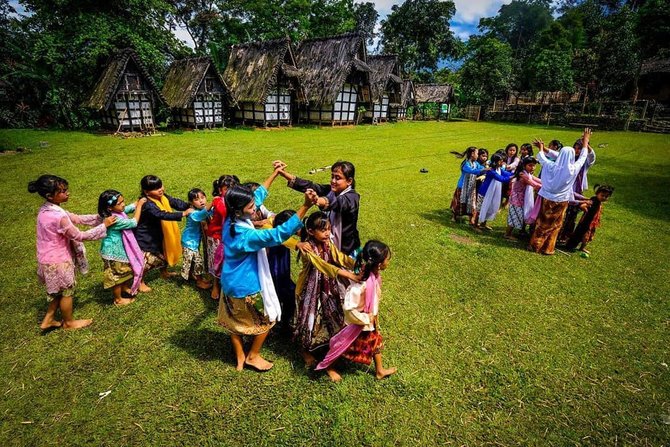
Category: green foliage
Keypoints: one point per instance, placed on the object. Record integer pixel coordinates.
(487, 70)
(366, 17)
(418, 32)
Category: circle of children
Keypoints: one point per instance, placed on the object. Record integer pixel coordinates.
(331, 312)
(549, 204)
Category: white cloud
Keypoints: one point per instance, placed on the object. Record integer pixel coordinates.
(470, 11)
(184, 36)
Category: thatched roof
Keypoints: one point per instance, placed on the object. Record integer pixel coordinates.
(108, 83)
(254, 68)
(408, 95)
(184, 79)
(440, 93)
(385, 71)
(327, 62)
(655, 65)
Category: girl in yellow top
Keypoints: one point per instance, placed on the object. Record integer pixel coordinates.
(319, 296)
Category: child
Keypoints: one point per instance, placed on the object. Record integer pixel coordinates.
(464, 201)
(318, 296)
(214, 249)
(586, 228)
(59, 249)
(279, 258)
(511, 162)
(526, 150)
(360, 341)
(522, 197)
(340, 200)
(121, 255)
(488, 200)
(263, 216)
(249, 305)
(192, 264)
(157, 231)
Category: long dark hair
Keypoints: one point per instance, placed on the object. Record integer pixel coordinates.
(495, 159)
(227, 181)
(47, 185)
(529, 149)
(348, 171)
(371, 257)
(465, 154)
(516, 154)
(522, 166)
(107, 198)
(236, 199)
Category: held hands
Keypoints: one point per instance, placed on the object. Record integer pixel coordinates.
(538, 143)
(109, 221)
(309, 198)
(313, 196)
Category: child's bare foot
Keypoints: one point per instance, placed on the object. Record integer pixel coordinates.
(144, 288)
(333, 375)
(76, 324)
(240, 364)
(202, 284)
(258, 363)
(485, 227)
(310, 360)
(214, 296)
(165, 274)
(511, 238)
(53, 324)
(384, 373)
(583, 250)
(123, 301)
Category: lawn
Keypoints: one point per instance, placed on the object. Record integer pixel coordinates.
(494, 344)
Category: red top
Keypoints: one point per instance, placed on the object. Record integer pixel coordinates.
(215, 225)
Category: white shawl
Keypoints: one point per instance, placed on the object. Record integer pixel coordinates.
(528, 200)
(491, 202)
(558, 177)
(271, 306)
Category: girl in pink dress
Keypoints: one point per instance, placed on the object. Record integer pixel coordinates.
(59, 249)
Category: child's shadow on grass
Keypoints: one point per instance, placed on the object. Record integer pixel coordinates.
(443, 217)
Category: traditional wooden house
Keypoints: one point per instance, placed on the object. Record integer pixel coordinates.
(263, 81)
(385, 86)
(125, 95)
(336, 78)
(433, 100)
(654, 82)
(407, 99)
(195, 93)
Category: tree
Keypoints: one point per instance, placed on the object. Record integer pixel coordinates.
(653, 28)
(550, 63)
(366, 17)
(487, 70)
(418, 31)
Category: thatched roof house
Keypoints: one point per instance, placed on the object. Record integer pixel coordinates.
(336, 78)
(125, 94)
(195, 92)
(385, 85)
(654, 82)
(263, 81)
(437, 93)
(407, 99)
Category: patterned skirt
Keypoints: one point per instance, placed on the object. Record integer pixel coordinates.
(214, 256)
(569, 223)
(515, 217)
(59, 279)
(455, 206)
(243, 316)
(153, 261)
(192, 263)
(365, 347)
(115, 273)
(547, 226)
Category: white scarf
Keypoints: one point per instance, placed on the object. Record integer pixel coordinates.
(336, 224)
(558, 177)
(528, 200)
(271, 306)
(491, 202)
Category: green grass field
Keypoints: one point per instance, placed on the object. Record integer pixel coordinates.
(494, 345)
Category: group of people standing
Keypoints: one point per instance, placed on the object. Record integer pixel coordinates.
(548, 204)
(240, 250)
